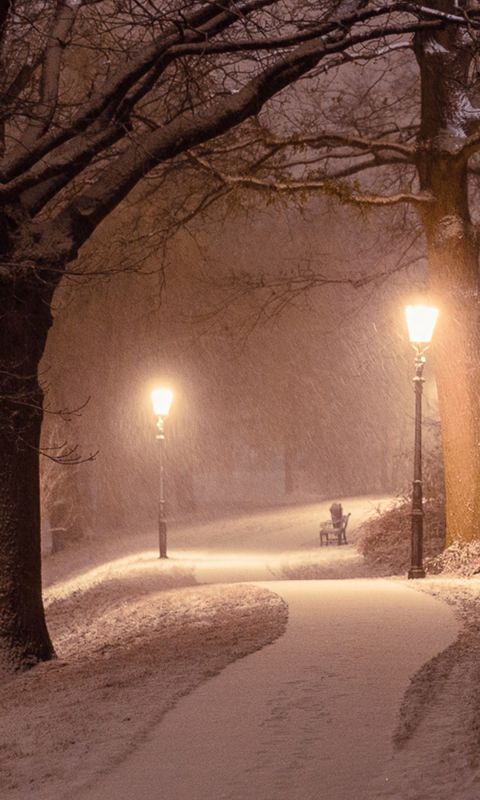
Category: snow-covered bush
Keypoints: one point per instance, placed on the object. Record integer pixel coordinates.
(461, 558)
(384, 540)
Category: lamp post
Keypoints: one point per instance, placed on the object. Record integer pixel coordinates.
(421, 321)
(161, 402)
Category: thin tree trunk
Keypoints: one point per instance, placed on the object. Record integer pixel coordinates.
(289, 484)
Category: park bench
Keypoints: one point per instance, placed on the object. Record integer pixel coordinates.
(334, 531)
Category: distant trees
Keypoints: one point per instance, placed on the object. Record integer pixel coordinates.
(398, 128)
(97, 94)
(315, 402)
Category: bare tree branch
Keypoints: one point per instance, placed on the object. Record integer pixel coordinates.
(330, 186)
(194, 26)
(42, 115)
(81, 216)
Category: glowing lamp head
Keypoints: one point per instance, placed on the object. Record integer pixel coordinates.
(421, 321)
(161, 402)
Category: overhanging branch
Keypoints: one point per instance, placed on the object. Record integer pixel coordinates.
(342, 191)
(195, 26)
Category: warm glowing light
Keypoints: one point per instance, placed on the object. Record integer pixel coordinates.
(161, 402)
(421, 321)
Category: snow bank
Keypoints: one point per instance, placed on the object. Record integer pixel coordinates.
(132, 637)
(437, 741)
(461, 559)
(384, 539)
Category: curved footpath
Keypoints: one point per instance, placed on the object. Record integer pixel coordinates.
(310, 716)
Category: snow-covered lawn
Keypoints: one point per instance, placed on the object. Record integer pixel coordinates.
(132, 636)
(310, 716)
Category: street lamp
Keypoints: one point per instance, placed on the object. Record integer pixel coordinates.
(421, 321)
(161, 402)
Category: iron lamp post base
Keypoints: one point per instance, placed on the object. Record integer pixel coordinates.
(416, 572)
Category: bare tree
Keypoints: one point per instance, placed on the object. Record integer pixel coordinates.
(95, 95)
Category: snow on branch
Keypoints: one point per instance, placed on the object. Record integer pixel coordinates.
(471, 145)
(194, 26)
(334, 138)
(42, 115)
(102, 132)
(335, 188)
(195, 32)
(331, 27)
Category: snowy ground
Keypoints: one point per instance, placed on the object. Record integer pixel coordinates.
(135, 634)
(308, 717)
(132, 637)
(437, 737)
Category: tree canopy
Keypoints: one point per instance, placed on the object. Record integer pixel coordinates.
(98, 94)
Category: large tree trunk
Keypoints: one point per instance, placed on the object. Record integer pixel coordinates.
(447, 120)
(456, 355)
(25, 319)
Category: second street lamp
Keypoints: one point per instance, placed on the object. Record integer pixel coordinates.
(421, 321)
(161, 402)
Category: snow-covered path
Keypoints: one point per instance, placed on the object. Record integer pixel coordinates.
(310, 716)
(273, 544)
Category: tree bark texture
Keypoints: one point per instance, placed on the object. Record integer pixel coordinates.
(25, 319)
(448, 119)
(456, 359)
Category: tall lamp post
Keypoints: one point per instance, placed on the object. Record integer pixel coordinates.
(161, 402)
(421, 321)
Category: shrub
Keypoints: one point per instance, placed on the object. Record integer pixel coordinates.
(384, 540)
